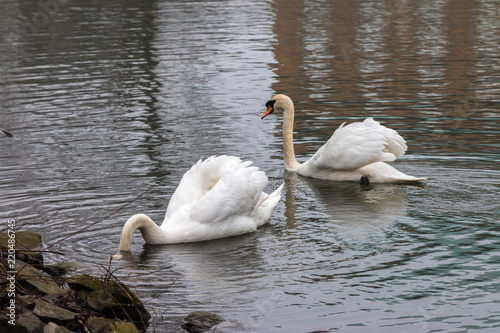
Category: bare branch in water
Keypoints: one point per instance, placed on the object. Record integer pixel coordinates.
(9, 134)
(104, 218)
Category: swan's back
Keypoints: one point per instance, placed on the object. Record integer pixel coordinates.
(356, 145)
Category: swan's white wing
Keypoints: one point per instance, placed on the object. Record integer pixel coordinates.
(394, 143)
(235, 195)
(356, 145)
(190, 187)
(218, 189)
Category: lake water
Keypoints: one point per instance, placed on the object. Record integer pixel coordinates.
(107, 99)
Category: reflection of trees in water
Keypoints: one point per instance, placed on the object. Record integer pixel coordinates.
(425, 67)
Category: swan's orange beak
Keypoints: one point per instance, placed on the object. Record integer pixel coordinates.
(268, 111)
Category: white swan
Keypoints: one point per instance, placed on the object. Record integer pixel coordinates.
(355, 152)
(219, 197)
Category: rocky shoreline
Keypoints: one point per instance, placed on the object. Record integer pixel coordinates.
(42, 298)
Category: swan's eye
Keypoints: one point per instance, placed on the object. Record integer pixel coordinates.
(270, 104)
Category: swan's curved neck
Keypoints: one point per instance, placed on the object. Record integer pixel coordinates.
(145, 225)
(291, 163)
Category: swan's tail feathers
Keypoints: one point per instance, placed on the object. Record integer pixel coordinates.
(265, 209)
(381, 172)
(408, 180)
(276, 195)
(394, 143)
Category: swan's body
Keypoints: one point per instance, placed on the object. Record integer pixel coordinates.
(355, 151)
(219, 197)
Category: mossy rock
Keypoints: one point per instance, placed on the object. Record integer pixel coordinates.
(96, 324)
(109, 298)
(25, 240)
(120, 327)
(84, 282)
(105, 325)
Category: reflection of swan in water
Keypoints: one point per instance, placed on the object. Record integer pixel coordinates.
(216, 276)
(202, 268)
(219, 197)
(351, 207)
(358, 151)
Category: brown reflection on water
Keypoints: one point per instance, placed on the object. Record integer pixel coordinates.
(343, 30)
(417, 67)
(401, 50)
(460, 31)
(289, 30)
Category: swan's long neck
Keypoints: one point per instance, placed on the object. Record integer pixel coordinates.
(146, 226)
(291, 163)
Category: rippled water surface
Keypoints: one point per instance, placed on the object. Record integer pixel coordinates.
(107, 99)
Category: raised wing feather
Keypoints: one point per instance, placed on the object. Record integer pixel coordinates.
(356, 145)
(191, 186)
(394, 143)
(217, 189)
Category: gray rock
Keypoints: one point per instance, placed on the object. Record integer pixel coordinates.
(35, 280)
(201, 321)
(48, 312)
(26, 322)
(54, 328)
(26, 302)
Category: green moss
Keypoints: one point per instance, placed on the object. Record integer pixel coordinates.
(120, 327)
(25, 240)
(84, 282)
(108, 297)
(97, 324)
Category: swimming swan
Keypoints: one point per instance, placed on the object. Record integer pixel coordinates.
(219, 197)
(355, 152)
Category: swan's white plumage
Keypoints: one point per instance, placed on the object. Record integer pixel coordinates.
(218, 197)
(356, 145)
(355, 150)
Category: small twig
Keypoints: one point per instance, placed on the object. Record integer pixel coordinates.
(156, 296)
(100, 220)
(83, 327)
(156, 321)
(110, 277)
(133, 302)
(9, 134)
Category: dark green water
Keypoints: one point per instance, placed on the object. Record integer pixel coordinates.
(109, 98)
